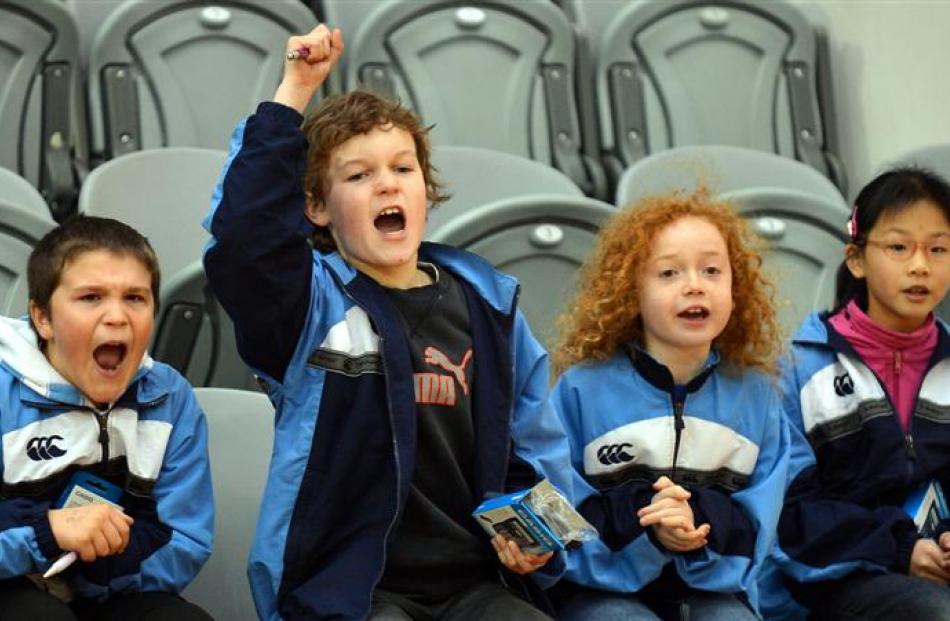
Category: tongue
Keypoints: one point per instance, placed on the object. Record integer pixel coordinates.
(389, 223)
(109, 356)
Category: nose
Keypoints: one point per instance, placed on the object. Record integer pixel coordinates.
(386, 182)
(693, 284)
(919, 262)
(114, 313)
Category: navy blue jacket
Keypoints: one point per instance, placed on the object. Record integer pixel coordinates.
(852, 466)
(330, 346)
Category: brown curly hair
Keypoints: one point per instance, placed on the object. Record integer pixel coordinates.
(605, 312)
(341, 117)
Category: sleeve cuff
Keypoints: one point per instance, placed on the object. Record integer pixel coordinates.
(905, 548)
(279, 112)
(37, 517)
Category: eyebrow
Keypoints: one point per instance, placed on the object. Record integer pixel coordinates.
(900, 231)
(673, 256)
(363, 160)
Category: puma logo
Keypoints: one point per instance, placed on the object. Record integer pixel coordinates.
(437, 358)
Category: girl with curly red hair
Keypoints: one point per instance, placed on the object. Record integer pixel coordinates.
(666, 389)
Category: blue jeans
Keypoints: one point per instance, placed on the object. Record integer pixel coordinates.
(606, 606)
(876, 597)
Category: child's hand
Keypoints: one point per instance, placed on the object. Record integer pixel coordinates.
(515, 560)
(944, 542)
(672, 518)
(91, 531)
(927, 561)
(303, 76)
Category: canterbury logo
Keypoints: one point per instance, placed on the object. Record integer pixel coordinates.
(42, 448)
(437, 389)
(610, 454)
(844, 385)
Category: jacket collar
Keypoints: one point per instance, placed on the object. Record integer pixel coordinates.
(499, 290)
(659, 375)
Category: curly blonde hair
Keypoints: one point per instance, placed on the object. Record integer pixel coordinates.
(605, 313)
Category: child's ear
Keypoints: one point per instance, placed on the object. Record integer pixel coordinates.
(854, 259)
(316, 211)
(41, 322)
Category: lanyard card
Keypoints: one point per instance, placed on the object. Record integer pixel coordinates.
(85, 488)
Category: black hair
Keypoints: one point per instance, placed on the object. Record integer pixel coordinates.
(888, 193)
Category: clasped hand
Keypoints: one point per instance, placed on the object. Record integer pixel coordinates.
(672, 518)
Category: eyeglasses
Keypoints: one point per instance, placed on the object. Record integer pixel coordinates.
(935, 251)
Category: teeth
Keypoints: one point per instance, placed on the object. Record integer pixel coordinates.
(391, 211)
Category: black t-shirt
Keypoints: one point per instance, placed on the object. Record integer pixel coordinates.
(437, 548)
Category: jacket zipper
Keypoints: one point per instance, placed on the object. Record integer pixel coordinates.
(679, 424)
(103, 419)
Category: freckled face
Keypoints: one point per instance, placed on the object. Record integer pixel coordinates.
(685, 290)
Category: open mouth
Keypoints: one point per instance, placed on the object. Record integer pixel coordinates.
(695, 312)
(917, 290)
(390, 220)
(110, 355)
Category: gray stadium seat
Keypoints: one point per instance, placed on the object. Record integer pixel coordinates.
(41, 113)
(539, 239)
(20, 193)
(497, 74)
(163, 194)
(738, 72)
(240, 439)
(195, 335)
(474, 177)
(722, 169)
(183, 72)
(806, 238)
(23, 221)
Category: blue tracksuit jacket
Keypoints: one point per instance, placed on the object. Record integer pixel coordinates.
(153, 443)
(852, 466)
(329, 344)
(725, 442)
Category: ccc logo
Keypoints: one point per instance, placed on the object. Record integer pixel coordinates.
(610, 454)
(42, 448)
(844, 385)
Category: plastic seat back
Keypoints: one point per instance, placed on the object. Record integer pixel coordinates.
(183, 72)
(23, 221)
(41, 108)
(496, 74)
(474, 177)
(240, 432)
(195, 336)
(806, 237)
(735, 72)
(721, 169)
(540, 239)
(163, 194)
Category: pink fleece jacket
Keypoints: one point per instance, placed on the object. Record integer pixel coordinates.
(899, 359)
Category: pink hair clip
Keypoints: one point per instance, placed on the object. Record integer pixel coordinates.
(853, 223)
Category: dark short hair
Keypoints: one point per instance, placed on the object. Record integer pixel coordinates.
(888, 193)
(77, 235)
(341, 117)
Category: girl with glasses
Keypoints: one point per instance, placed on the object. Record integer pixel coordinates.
(866, 396)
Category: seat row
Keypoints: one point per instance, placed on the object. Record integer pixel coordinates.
(589, 87)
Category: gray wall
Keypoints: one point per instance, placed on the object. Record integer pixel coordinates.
(891, 65)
